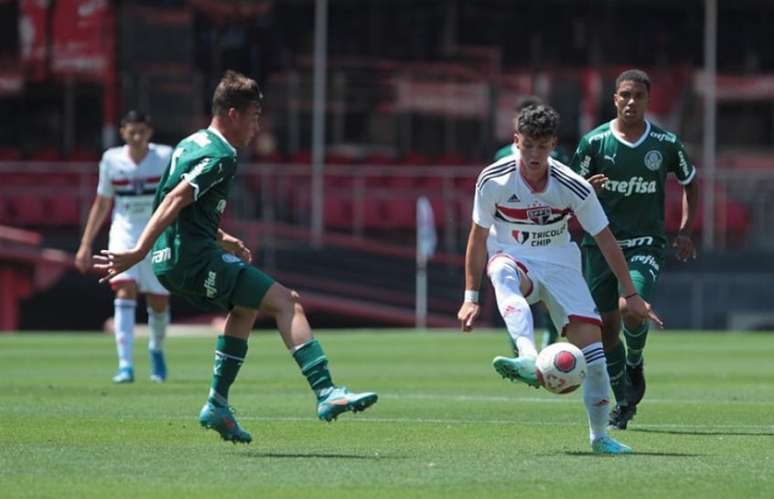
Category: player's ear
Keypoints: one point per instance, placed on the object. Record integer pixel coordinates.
(516, 138)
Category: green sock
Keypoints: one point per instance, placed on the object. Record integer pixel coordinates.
(616, 362)
(230, 353)
(314, 365)
(635, 343)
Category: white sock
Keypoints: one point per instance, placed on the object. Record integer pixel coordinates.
(123, 322)
(513, 306)
(596, 390)
(157, 329)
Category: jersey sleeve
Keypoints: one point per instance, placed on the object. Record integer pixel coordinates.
(207, 173)
(582, 161)
(484, 205)
(104, 184)
(683, 169)
(590, 213)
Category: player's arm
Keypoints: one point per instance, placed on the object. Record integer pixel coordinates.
(584, 164)
(97, 214)
(115, 262)
(234, 245)
(475, 261)
(683, 243)
(617, 262)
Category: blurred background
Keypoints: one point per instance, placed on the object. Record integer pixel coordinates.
(369, 105)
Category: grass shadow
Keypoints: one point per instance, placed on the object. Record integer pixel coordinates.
(705, 432)
(634, 454)
(316, 455)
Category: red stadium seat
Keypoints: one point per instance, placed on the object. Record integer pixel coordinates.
(27, 209)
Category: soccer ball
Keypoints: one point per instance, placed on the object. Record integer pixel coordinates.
(561, 368)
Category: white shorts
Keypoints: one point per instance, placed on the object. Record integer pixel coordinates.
(142, 273)
(560, 287)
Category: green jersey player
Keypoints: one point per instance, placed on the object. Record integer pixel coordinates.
(194, 258)
(628, 160)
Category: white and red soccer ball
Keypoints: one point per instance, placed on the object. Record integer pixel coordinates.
(561, 368)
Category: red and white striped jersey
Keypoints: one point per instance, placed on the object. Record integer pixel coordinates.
(132, 185)
(535, 224)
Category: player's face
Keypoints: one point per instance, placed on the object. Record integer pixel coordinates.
(246, 123)
(136, 135)
(535, 151)
(631, 101)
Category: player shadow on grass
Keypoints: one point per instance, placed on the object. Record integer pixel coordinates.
(635, 453)
(316, 455)
(706, 432)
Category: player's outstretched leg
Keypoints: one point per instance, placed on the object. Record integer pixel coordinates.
(331, 400)
(517, 369)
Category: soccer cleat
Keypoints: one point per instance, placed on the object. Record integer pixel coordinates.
(517, 369)
(339, 399)
(608, 445)
(620, 416)
(635, 387)
(158, 366)
(222, 420)
(124, 375)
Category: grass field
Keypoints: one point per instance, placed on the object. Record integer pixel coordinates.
(445, 426)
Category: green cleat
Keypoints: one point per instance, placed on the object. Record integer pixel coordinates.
(339, 399)
(609, 446)
(517, 369)
(222, 420)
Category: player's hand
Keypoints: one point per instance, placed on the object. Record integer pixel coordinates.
(684, 248)
(641, 309)
(236, 247)
(597, 181)
(467, 315)
(83, 261)
(113, 263)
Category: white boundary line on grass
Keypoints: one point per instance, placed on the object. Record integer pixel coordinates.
(505, 422)
(554, 399)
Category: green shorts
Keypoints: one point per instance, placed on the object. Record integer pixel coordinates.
(219, 282)
(644, 266)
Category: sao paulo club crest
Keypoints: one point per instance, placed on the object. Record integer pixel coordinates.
(653, 160)
(539, 214)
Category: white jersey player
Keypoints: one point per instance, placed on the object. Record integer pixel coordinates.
(526, 200)
(128, 177)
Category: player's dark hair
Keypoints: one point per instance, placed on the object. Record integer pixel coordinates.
(524, 103)
(635, 75)
(235, 90)
(538, 122)
(135, 116)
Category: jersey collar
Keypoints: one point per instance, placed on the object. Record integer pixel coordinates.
(215, 132)
(625, 142)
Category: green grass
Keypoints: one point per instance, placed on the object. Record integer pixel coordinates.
(445, 426)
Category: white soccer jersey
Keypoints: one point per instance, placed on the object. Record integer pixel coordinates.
(133, 186)
(532, 224)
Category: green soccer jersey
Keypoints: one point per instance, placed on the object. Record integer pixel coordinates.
(207, 162)
(633, 196)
